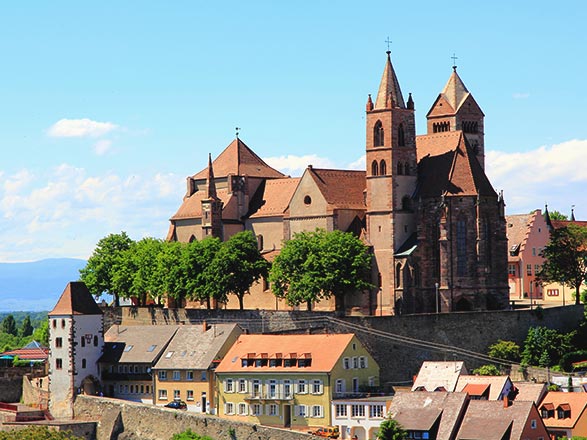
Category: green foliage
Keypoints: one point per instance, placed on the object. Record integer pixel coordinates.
(26, 328)
(487, 370)
(317, 265)
(557, 215)
(391, 430)
(9, 325)
(98, 274)
(506, 350)
(568, 359)
(566, 258)
(553, 387)
(37, 433)
(545, 347)
(198, 258)
(41, 333)
(189, 435)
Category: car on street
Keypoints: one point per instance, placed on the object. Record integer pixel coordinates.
(177, 404)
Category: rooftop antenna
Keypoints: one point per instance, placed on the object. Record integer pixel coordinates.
(454, 61)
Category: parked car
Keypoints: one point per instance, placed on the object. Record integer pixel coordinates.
(326, 432)
(177, 404)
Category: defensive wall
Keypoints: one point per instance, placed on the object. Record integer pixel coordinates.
(123, 420)
(398, 343)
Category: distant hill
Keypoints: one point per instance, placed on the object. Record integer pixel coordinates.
(37, 285)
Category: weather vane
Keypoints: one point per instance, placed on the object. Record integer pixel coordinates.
(388, 41)
(454, 61)
(237, 131)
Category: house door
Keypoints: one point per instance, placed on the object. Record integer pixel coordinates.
(203, 402)
(287, 416)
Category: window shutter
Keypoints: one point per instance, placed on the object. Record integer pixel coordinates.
(321, 388)
(226, 408)
(246, 409)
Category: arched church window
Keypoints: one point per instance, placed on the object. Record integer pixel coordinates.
(401, 141)
(378, 135)
(382, 168)
(192, 238)
(400, 169)
(374, 168)
(398, 275)
(461, 247)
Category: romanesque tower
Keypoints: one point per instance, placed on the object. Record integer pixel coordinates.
(76, 339)
(456, 109)
(391, 182)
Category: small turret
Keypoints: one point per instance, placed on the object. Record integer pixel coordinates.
(369, 105)
(410, 102)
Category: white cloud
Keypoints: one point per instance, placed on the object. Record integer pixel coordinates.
(295, 165)
(102, 146)
(358, 164)
(549, 174)
(80, 128)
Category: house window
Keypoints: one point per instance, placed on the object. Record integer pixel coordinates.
(272, 389)
(528, 269)
(357, 410)
(287, 389)
(371, 381)
(256, 409)
(273, 410)
(190, 395)
(132, 389)
(256, 388)
(339, 386)
(316, 387)
(376, 411)
(533, 251)
(302, 387)
(533, 424)
(317, 411)
(203, 376)
(229, 408)
(162, 394)
(162, 375)
(63, 323)
(54, 323)
(83, 363)
(552, 292)
(242, 409)
(302, 410)
(176, 375)
(242, 386)
(58, 363)
(346, 363)
(536, 269)
(362, 362)
(176, 394)
(229, 386)
(340, 410)
(512, 269)
(355, 384)
(355, 362)
(142, 389)
(189, 375)
(58, 342)
(147, 389)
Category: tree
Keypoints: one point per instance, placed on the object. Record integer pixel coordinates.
(189, 435)
(566, 258)
(544, 347)
(9, 325)
(37, 432)
(41, 333)
(27, 328)
(198, 258)
(505, 350)
(557, 215)
(487, 370)
(318, 265)
(99, 270)
(391, 430)
(236, 266)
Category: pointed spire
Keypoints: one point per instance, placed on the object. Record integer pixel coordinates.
(410, 102)
(547, 217)
(389, 91)
(455, 90)
(369, 105)
(210, 183)
(573, 213)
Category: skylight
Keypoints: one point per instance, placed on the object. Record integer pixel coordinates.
(152, 348)
(169, 354)
(128, 348)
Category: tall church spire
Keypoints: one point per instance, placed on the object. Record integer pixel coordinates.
(455, 90)
(210, 183)
(389, 93)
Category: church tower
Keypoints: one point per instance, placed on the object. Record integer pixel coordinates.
(391, 182)
(456, 109)
(211, 207)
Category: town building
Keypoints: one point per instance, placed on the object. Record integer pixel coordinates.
(186, 371)
(439, 375)
(290, 380)
(486, 387)
(75, 344)
(359, 418)
(424, 206)
(564, 414)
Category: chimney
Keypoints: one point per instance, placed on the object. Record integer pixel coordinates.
(506, 401)
(204, 327)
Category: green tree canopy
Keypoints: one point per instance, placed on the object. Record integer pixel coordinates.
(98, 274)
(317, 265)
(487, 370)
(200, 276)
(566, 258)
(9, 325)
(189, 435)
(391, 430)
(41, 333)
(544, 347)
(557, 215)
(506, 350)
(26, 328)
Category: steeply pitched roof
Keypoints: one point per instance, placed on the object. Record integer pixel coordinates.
(240, 160)
(518, 230)
(455, 91)
(496, 384)
(324, 351)
(576, 401)
(433, 375)
(194, 348)
(76, 299)
(389, 86)
(142, 343)
(342, 189)
(272, 197)
(452, 170)
(419, 411)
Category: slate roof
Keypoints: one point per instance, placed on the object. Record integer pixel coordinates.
(273, 197)
(194, 348)
(136, 343)
(76, 299)
(433, 375)
(325, 351)
(496, 384)
(342, 189)
(240, 160)
(450, 168)
(490, 420)
(419, 411)
(576, 401)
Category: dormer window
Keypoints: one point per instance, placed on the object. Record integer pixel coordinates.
(563, 411)
(378, 135)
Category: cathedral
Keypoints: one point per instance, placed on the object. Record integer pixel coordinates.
(424, 206)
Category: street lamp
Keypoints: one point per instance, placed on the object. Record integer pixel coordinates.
(437, 299)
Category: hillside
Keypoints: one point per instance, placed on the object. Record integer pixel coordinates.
(36, 286)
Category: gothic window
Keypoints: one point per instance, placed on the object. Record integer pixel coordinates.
(407, 169)
(461, 247)
(192, 238)
(398, 275)
(378, 135)
(382, 168)
(400, 168)
(406, 203)
(401, 141)
(374, 168)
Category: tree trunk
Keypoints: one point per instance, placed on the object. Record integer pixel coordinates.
(116, 300)
(241, 302)
(577, 294)
(309, 305)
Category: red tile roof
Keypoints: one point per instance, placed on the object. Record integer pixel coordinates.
(576, 402)
(342, 189)
(27, 354)
(76, 299)
(274, 197)
(192, 205)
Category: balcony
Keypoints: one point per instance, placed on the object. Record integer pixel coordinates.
(268, 395)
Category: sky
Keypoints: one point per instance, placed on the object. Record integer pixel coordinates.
(106, 107)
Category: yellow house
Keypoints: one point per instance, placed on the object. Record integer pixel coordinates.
(185, 370)
(290, 380)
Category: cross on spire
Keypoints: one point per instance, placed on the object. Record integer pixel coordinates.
(388, 41)
(454, 61)
(237, 131)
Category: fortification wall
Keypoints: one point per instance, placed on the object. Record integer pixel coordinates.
(120, 420)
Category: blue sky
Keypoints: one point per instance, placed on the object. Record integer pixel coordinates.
(106, 107)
